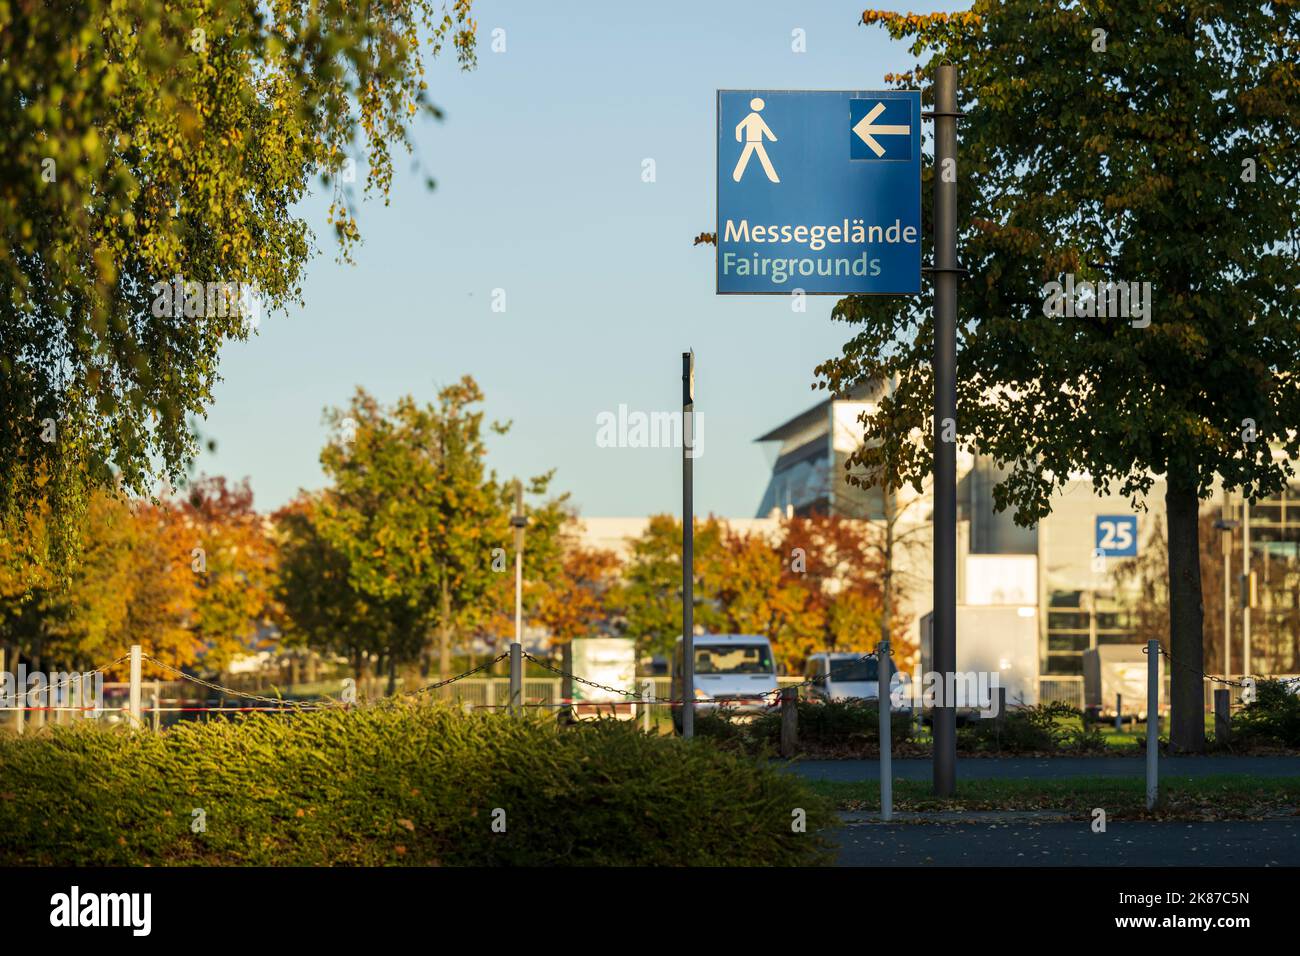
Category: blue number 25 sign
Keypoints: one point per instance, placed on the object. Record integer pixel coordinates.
(1117, 536)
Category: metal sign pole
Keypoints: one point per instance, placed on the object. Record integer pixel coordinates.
(945, 273)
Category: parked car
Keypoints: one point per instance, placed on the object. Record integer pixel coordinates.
(732, 671)
(842, 675)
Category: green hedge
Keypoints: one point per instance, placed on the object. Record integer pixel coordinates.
(1037, 729)
(854, 722)
(1271, 719)
(396, 784)
(839, 725)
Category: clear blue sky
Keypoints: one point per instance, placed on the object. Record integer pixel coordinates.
(539, 192)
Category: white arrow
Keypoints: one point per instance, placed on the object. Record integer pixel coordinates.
(865, 129)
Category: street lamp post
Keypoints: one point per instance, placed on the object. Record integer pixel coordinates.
(518, 521)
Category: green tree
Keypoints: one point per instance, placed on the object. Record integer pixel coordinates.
(147, 142)
(417, 516)
(317, 603)
(651, 595)
(1145, 142)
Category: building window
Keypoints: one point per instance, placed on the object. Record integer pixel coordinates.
(1078, 621)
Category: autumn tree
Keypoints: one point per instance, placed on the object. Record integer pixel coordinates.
(579, 595)
(233, 561)
(130, 584)
(161, 601)
(842, 564)
(152, 145)
(1141, 143)
(813, 585)
(417, 516)
(754, 590)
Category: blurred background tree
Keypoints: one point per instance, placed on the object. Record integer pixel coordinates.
(149, 140)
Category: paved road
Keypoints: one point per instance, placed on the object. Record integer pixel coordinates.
(1133, 843)
(985, 768)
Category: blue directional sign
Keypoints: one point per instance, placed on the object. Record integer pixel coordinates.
(819, 192)
(1117, 536)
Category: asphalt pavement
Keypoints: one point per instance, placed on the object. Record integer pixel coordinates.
(1072, 844)
(1012, 768)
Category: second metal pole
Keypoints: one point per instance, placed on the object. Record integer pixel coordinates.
(688, 547)
(1153, 723)
(945, 274)
(1226, 535)
(1245, 584)
(884, 671)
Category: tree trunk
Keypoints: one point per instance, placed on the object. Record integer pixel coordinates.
(444, 657)
(392, 674)
(1187, 696)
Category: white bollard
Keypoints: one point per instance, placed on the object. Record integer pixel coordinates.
(20, 697)
(647, 694)
(133, 702)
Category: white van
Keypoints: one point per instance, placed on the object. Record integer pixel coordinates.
(732, 671)
(842, 675)
(610, 662)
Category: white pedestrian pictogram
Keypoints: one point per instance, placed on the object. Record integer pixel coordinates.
(754, 129)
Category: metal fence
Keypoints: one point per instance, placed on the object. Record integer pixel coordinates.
(540, 691)
(1064, 690)
(1069, 690)
(164, 702)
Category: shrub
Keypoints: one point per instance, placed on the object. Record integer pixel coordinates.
(725, 731)
(851, 724)
(1029, 730)
(835, 723)
(1272, 718)
(396, 783)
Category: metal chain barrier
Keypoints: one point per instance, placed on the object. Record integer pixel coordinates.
(231, 692)
(100, 669)
(55, 687)
(452, 680)
(638, 698)
(772, 697)
(873, 655)
(1221, 680)
(281, 702)
(631, 694)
